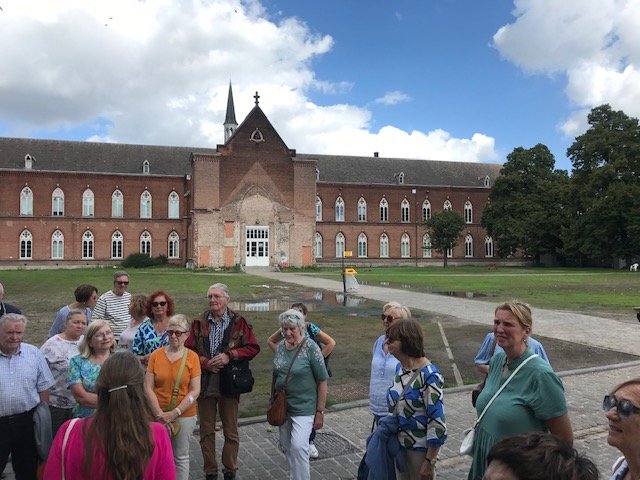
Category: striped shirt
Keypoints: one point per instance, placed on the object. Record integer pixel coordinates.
(113, 309)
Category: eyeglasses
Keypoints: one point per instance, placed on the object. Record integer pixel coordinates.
(122, 283)
(624, 407)
(158, 304)
(388, 318)
(177, 333)
(104, 335)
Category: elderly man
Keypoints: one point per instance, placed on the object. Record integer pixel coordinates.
(6, 307)
(219, 336)
(113, 305)
(25, 380)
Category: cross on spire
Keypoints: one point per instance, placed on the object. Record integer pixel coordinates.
(257, 97)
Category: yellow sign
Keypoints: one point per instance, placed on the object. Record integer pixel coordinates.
(348, 253)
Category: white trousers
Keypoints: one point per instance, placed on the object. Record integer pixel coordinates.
(180, 445)
(294, 442)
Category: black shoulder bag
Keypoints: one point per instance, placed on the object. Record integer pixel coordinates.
(236, 377)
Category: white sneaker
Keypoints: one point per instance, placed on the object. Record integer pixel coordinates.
(313, 451)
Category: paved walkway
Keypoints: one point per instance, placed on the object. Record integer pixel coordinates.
(341, 442)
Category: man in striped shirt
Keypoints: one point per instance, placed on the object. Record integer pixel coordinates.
(113, 305)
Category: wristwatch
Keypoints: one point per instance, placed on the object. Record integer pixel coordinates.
(432, 461)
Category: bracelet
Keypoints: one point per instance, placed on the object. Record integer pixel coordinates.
(431, 461)
(321, 412)
(179, 411)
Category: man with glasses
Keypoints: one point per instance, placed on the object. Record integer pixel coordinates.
(113, 305)
(219, 336)
(25, 380)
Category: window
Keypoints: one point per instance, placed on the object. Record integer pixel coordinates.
(317, 246)
(405, 250)
(339, 245)
(145, 204)
(318, 209)
(426, 210)
(468, 212)
(173, 247)
(174, 205)
(317, 175)
(468, 246)
(384, 210)
(401, 178)
(488, 247)
(362, 210)
(447, 205)
(116, 244)
(426, 246)
(26, 242)
(26, 201)
(362, 245)
(145, 243)
(117, 204)
(87, 203)
(339, 209)
(145, 167)
(449, 252)
(57, 203)
(384, 246)
(404, 211)
(487, 181)
(57, 245)
(87, 245)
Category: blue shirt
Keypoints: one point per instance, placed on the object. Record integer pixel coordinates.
(383, 371)
(483, 356)
(147, 340)
(23, 376)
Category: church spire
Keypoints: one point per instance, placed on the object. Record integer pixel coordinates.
(230, 123)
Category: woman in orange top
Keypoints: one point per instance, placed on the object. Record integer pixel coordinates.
(160, 380)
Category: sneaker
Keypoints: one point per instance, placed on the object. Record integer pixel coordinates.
(313, 451)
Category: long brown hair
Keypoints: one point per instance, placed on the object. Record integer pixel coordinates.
(121, 426)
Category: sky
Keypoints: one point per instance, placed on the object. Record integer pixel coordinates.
(461, 80)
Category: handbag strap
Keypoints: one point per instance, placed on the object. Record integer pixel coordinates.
(64, 443)
(286, 379)
(176, 387)
(408, 386)
(503, 387)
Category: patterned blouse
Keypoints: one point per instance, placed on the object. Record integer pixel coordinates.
(147, 339)
(83, 371)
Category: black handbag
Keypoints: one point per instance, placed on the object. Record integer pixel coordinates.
(236, 378)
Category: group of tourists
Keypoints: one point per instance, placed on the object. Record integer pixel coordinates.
(126, 379)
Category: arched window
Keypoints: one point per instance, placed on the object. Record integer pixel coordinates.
(57, 245)
(487, 182)
(145, 243)
(117, 241)
(449, 252)
(401, 178)
(426, 210)
(339, 209)
(317, 175)
(26, 242)
(174, 205)
(405, 249)
(384, 210)
(26, 201)
(87, 245)
(468, 246)
(57, 203)
(173, 245)
(384, 246)
(447, 205)
(362, 245)
(404, 211)
(488, 247)
(362, 210)
(468, 212)
(318, 209)
(87, 203)
(340, 245)
(145, 167)
(317, 246)
(117, 204)
(145, 204)
(426, 246)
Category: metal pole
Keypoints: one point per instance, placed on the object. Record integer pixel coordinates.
(344, 279)
(415, 220)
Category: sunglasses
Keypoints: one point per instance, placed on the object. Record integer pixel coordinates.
(122, 283)
(388, 318)
(158, 304)
(177, 333)
(624, 407)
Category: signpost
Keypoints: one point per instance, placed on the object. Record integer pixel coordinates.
(345, 253)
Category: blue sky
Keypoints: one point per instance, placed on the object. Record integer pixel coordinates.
(459, 80)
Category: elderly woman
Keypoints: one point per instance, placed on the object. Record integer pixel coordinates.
(138, 312)
(151, 335)
(306, 391)
(171, 366)
(416, 398)
(58, 351)
(383, 364)
(86, 297)
(622, 408)
(121, 440)
(532, 401)
(96, 346)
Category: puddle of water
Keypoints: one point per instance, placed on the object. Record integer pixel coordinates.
(435, 291)
(316, 301)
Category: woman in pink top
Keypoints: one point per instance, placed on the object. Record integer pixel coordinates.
(120, 441)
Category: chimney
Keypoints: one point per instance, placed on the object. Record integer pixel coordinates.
(375, 154)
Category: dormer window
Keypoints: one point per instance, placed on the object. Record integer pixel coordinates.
(317, 175)
(401, 178)
(145, 167)
(486, 182)
(256, 136)
(28, 162)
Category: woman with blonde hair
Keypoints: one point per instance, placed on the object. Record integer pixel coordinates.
(622, 409)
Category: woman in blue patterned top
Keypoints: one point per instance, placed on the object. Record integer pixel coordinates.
(420, 410)
(152, 334)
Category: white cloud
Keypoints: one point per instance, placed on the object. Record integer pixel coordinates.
(158, 72)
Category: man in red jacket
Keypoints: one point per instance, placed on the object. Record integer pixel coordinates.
(219, 336)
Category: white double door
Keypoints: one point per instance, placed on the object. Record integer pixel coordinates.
(257, 254)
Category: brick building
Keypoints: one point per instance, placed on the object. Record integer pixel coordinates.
(251, 201)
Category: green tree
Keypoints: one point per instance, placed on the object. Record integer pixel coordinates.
(525, 210)
(444, 229)
(605, 188)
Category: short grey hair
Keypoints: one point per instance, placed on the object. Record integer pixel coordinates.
(180, 320)
(72, 313)
(292, 318)
(120, 273)
(12, 317)
(221, 286)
